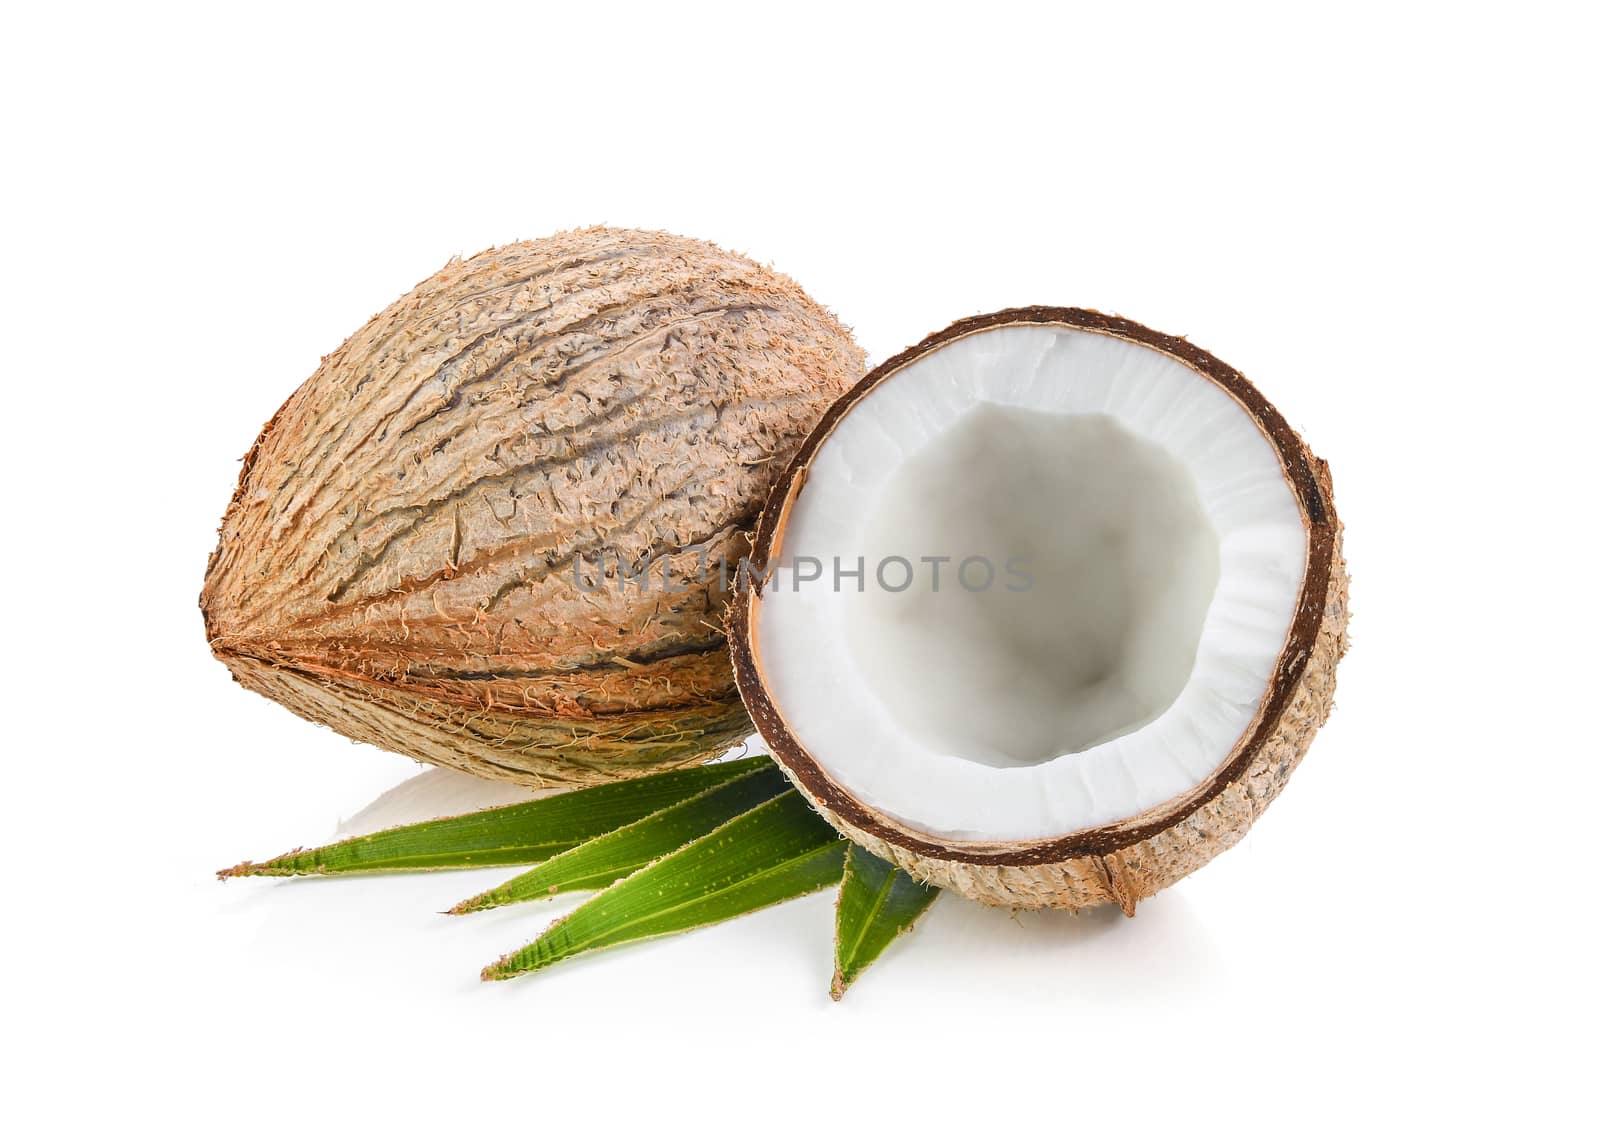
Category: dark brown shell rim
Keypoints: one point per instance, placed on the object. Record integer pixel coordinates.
(1306, 475)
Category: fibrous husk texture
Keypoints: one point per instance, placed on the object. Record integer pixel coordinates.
(423, 551)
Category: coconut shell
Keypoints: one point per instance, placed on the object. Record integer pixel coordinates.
(414, 552)
(1132, 859)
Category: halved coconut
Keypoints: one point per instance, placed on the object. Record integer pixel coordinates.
(1045, 610)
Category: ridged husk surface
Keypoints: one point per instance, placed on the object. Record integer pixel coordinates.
(401, 559)
(1132, 859)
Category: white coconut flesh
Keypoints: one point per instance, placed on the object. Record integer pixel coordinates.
(1125, 555)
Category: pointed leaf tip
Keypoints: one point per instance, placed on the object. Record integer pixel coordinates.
(877, 903)
(516, 835)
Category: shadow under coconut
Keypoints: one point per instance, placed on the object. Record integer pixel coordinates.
(1167, 933)
(440, 791)
(987, 954)
(433, 794)
(1164, 954)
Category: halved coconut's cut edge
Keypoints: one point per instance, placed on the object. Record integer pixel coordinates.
(1135, 857)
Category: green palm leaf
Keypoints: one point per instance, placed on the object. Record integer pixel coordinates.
(602, 860)
(506, 836)
(877, 903)
(777, 851)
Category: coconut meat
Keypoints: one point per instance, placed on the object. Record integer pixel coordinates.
(1036, 581)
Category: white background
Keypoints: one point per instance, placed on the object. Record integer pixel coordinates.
(1383, 214)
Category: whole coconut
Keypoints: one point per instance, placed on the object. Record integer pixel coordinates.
(436, 544)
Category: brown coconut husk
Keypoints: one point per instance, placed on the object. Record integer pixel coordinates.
(403, 555)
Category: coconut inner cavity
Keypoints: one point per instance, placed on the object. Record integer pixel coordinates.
(1039, 583)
